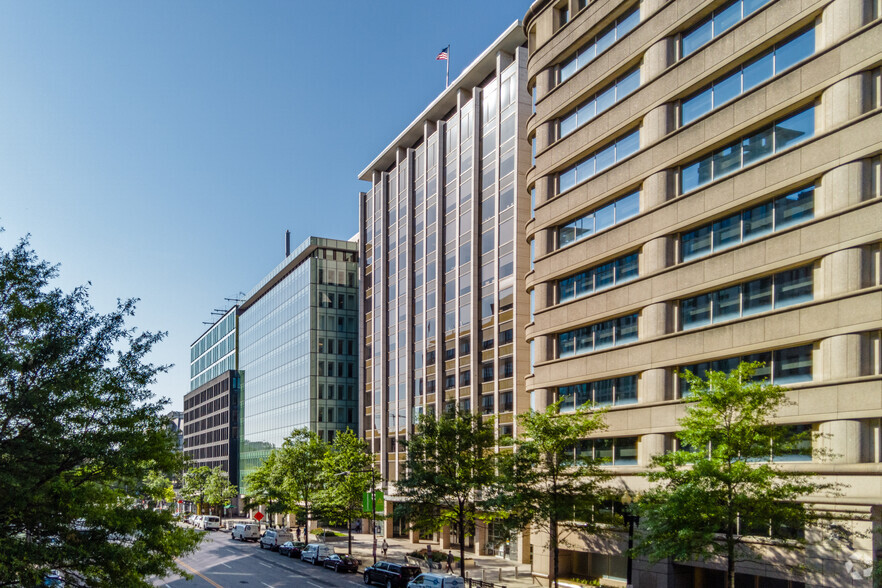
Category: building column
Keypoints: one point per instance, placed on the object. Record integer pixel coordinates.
(841, 357)
(845, 100)
(413, 536)
(655, 320)
(650, 445)
(658, 58)
(841, 18)
(654, 386)
(480, 538)
(841, 440)
(840, 272)
(843, 186)
(388, 523)
(657, 189)
(657, 123)
(523, 541)
(656, 255)
(444, 538)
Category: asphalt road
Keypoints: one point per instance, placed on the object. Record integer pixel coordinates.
(222, 562)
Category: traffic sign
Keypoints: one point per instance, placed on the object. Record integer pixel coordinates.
(180, 502)
(259, 516)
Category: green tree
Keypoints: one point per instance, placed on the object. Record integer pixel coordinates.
(549, 486)
(449, 474)
(347, 476)
(725, 486)
(265, 486)
(300, 461)
(157, 487)
(195, 486)
(220, 490)
(79, 432)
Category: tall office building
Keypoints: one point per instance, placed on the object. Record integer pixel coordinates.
(707, 189)
(298, 347)
(443, 263)
(211, 407)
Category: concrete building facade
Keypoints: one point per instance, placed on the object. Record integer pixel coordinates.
(298, 349)
(707, 188)
(443, 259)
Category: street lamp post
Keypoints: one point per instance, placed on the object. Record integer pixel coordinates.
(632, 520)
(372, 472)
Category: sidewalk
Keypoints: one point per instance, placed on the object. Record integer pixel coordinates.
(491, 567)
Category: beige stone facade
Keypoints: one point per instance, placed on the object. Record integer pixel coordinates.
(797, 148)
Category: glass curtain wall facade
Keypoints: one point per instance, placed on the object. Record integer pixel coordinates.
(299, 351)
(444, 258)
(215, 351)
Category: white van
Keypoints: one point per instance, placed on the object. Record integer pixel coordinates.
(316, 553)
(209, 523)
(245, 532)
(272, 538)
(437, 581)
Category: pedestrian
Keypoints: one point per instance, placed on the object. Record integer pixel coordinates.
(429, 552)
(449, 562)
(384, 547)
(298, 532)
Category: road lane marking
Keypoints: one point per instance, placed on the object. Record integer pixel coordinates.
(225, 565)
(316, 585)
(207, 579)
(264, 564)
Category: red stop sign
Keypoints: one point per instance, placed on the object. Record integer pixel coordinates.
(259, 516)
(180, 502)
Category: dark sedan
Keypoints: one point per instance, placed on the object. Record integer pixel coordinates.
(341, 563)
(292, 548)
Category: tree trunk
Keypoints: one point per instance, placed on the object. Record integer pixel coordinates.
(461, 524)
(730, 563)
(349, 529)
(555, 550)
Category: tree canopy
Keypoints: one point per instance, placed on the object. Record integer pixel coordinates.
(204, 485)
(724, 487)
(347, 476)
(548, 484)
(450, 473)
(80, 431)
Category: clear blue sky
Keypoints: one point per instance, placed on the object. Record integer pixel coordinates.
(160, 149)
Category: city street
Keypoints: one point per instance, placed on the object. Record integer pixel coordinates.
(221, 562)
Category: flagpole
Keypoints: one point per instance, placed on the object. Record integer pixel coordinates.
(447, 76)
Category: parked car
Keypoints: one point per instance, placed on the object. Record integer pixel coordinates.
(316, 553)
(292, 548)
(194, 520)
(341, 563)
(391, 575)
(245, 532)
(273, 538)
(209, 523)
(437, 581)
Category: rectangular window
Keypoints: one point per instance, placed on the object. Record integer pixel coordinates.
(771, 139)
(777, 59)
(599, 102)
(609, 333)
(598, 278)
(717, 23)
(778, 291)
(599, 160)
(598, 219)
(487, 404)
(615, 391)
(748, 224)
(783, 366)
(622, 26)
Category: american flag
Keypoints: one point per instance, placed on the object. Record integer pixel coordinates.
(442, 56)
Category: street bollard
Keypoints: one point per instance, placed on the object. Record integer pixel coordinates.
(499, 575)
